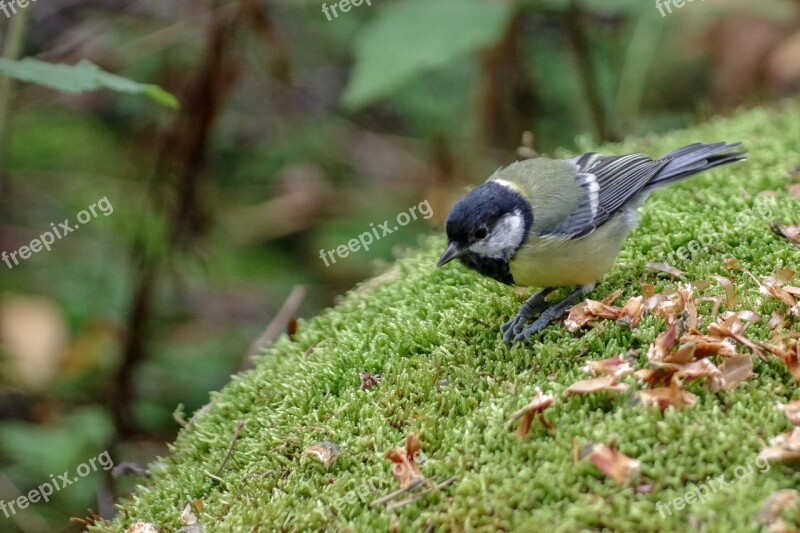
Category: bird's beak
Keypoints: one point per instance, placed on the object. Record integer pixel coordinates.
(451, 253)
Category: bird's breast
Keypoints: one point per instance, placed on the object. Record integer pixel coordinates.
(559, 262)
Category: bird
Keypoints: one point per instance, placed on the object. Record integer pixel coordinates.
(553, 223)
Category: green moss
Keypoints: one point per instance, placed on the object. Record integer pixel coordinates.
(419, 325)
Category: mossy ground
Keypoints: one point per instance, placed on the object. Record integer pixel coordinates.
(418, 325)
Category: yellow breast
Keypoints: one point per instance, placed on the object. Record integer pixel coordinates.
(552, 262)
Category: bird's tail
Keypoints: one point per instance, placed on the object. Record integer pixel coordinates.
(694, 159)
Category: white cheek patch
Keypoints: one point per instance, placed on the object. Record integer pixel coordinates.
(507, 235)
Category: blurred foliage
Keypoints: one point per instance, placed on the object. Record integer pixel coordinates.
(295, 133)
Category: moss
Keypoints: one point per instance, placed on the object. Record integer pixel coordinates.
(418, 325)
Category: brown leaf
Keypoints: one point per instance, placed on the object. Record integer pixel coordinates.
(654, 377)
(601, 384)
(535, 408)
(790, 233)
(613, 297)
(770, 514)
(785, 448)
(734, 371)
(664, 397)
(772, 287)
(632, 312)
(731, 300)
(664, 343)
(792, 411)
(404, 463)
(586, 311)
(614, 464)
(619, 366)
(720, 330)
(777, 321)
(648, 290)
(789, 355)
(687, 295)
(325, 452)
(706, 346)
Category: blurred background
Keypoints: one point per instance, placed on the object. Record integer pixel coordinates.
(301, 123)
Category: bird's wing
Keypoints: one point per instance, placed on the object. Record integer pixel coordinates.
(607, 183)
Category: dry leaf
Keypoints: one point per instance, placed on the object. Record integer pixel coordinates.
(769, 515)
(792, 411)
(734, 371)
(404, 465)
(188, 517)
(619, 366)
(324, 452)
(784, 448)
(632, 312)
(772, 287)
(614, 464)
(730, 294)
(690, 307)
(706, 346)
(790, 233)
(664, 397)
(777, 322)
(601, 384)
(529, 413)
(664, 343)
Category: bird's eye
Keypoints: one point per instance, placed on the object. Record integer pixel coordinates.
(481, 233)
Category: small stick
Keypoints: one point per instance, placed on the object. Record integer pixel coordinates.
(395, 494)
(420, 495)
(230, 448)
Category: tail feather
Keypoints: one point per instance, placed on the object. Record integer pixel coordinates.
(693, 159)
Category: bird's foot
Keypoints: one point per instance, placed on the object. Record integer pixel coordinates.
(513, 331)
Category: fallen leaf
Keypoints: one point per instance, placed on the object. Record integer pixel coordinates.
(188, 517)
(664, 397)
(734, 371)
(601, 384)
(404, 465)
(632, 312)
(730, 294)
(790, 233)
(707, 346)
(619, 366)
(325, 452)
(785, 448)
(664, 342)
(690, 307)
(792, 411)
(612, 463)
(530, 412)
(770, 514)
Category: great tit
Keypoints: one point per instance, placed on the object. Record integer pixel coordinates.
(558, 223)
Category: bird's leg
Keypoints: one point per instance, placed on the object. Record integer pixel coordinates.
(535, 305)
(553, 313)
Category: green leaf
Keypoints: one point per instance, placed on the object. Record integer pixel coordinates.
(83, 77)
(412, 37)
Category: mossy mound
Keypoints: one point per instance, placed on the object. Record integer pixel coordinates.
(418, 326)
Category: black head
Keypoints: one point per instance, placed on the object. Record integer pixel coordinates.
(486, 228)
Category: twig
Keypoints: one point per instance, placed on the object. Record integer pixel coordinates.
(278, 324)
(230, 448)
(395, 494)
(420, 495)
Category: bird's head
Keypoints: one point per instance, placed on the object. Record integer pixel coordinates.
(487, 227)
